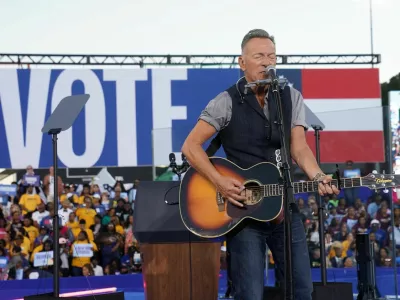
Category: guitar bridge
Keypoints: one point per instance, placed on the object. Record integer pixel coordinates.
(220, 202)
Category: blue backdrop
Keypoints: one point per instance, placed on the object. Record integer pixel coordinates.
(26, 97)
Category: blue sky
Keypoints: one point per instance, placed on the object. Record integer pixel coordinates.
(200, 27)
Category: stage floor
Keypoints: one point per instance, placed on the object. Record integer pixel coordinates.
(140, 296)
(132, 284)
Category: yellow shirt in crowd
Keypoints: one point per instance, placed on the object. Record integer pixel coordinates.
(79, 262)
(76, 231)
(72, 225)
(30, 202)
(75, 198)
(86, 214)
(80, 200)
(33, 233)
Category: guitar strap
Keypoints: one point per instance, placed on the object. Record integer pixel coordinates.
(214, 145)
(216, 141)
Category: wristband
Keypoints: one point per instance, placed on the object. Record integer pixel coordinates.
(318, 176)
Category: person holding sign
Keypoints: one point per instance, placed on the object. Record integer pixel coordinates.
(43, 258)
(82, 251)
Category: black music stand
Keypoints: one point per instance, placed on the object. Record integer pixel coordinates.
(62, 119)
(324, 290)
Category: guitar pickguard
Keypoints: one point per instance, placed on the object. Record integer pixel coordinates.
(220, 202)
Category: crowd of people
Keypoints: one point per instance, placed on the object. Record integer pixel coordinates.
(347, 216)
(96, 236)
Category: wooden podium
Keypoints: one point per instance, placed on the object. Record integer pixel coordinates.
(176, 264)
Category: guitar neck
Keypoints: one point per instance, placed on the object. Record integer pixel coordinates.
(309, 186)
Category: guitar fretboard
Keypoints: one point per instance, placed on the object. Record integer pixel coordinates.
(309, 186)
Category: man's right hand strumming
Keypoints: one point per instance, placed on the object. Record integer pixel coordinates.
(231, 189)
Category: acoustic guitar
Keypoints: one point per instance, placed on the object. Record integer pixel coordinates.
(205, 213)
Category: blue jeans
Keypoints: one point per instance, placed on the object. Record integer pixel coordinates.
(351, 195)
(247, 246)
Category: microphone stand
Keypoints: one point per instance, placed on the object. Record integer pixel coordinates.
(287, 192)
(288, 199)
(178, 169)
(317, 129)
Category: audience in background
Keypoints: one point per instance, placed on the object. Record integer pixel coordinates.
(96, 236)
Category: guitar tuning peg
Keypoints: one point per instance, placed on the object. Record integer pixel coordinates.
(374, 172)
(383, 172)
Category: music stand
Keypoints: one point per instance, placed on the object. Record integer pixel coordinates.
(61, 119)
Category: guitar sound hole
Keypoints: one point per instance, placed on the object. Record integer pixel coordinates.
(253, 192)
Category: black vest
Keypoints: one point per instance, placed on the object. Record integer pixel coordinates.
(250, 136)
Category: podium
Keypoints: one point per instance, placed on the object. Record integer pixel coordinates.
(176, 264)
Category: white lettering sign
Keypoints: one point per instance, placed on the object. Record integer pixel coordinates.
(125, 81)
(95, 119)
(164, 112)
(24, 150)
(42, 259)
(83, 250)
(24, 137)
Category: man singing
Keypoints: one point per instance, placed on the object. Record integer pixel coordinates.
(249, 135)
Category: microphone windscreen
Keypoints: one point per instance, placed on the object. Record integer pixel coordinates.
(172, 156)
(271, 71)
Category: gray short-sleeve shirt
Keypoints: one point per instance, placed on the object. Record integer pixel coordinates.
(218, 112)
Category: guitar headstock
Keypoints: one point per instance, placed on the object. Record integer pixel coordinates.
(376, 181)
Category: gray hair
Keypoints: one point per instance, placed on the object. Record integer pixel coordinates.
(256, 33)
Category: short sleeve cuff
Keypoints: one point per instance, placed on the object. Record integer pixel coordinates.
(210, 121)
(300, 123)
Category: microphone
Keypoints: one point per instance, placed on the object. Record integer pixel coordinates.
(172, 161)
(272, 79)
(185, 164)
(271, 71)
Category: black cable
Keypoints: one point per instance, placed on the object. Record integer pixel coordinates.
(167, 192)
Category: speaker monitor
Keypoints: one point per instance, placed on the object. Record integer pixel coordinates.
(365, 267)
(330, 291)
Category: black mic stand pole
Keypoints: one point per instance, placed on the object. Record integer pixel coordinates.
(287, 193)
(321, 205)
(56, 220)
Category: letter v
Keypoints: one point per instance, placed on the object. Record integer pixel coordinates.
(24, 150)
